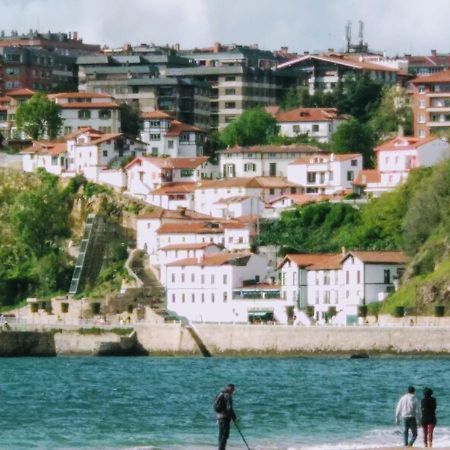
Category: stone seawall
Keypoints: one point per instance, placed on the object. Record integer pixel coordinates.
(27, 343)
(266, 339)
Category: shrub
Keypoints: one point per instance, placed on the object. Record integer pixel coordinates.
(64, 307)
(95, 308)
(439, 311)
(310, 311)
(399, 311)
(362, 310)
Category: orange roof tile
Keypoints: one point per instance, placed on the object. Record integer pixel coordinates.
(81, 131)
(157, 115)
(199, 227)
(46, 148)
(438, 77)
(234, 199)
(390, 257)
(212, 259)
(308, 115)
(79, 95)
(170, 163)
(23, 92)
(174, 188)
(316, 260)
(325, 158)
(104, 137)
(88, 105)
(367, 176)
(177, 127)
(301, 149)
(404, 143)
(304, 199)
(174, 214)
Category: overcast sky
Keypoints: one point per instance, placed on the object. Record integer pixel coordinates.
(393, 26)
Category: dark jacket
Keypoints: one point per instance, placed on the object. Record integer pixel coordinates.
(228, 412)
(428, 405)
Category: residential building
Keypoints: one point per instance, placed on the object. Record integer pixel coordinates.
(165, 182)
(87, 110)
(211, 288)
(326, 174)
(427, 64)
(262, 160)
(431, 104)
(396, 158)
(9, 104)
(169, 137)
(316, 123)
(323, 72)
(336, 285)
(51, 156)
(140, 78)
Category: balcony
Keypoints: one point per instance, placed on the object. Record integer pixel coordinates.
(257, 292)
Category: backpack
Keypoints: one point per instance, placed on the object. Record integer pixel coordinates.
(220, 405)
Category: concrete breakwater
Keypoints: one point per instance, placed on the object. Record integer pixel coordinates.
(174, 339)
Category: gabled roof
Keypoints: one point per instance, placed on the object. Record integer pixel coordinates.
(389, 257)
(156, 115)
(255, 182)
(308, 115)
(174, 188)
(302, 149)
(320, 159)
(23, 92)
(211, 259)
(316, 260)
(174, 214)
(46, 148)
(199, 227)
(234, 199)
(82, 130)
(404, 143)
(177, 127)
(102, 138)
(170, 163)
(79, 95)
(438, 77)
(189, 246)
(367, 176)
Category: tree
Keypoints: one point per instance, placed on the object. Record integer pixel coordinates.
(354, 136)
(39, 117)
(358, 96)
(253, 127)
(393, 111)
(129, 119)
(290, 99)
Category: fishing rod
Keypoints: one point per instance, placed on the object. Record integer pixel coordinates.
(242, 436)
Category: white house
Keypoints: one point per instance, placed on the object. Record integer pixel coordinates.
(212, 195)
(51, 156)
(238, 206)
(213, 288)
(162, 181)
(317, 123)
(167, 136)
(262, 160)
(326, 174)
(396, 158)
(338, 284)
(87, 110)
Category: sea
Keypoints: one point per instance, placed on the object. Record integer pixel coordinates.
(151, 403)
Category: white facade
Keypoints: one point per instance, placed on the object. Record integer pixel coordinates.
(46, 155)
(331, 174)
(239, 206)
(339, 283)
(207, 289)
(87, 109)
(166, 136)
(262, 161)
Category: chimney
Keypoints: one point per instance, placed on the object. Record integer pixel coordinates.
(75, 35)
(343, 251)
(433, 52)
(284, 49)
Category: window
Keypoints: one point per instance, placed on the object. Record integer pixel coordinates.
(230, 105)
(67, 130)
(422, 103)
(249, 167)
(350, 175)
(315, 128)
(192, 298)
(169, 144)
(230, 78)
(54, 160)
(173, 298)
(105, 153)
(212, 279)
(225, 279)
(311, 177)
(330, 176)
(422, 118)
(271, 191)
(182, 277)
(155, 123)
(84, 114)
(387, 276)
(184, 137)
(104, 114)
(326, 297)
(230, 91)
(155, 137)
(203, 297)
(326, 277)
(422, 133)
(173, 278)
(193, 277)
(354, 162)
(347, 277)
(296, 128)
(421, 88)
(186, 172)
(183, 298)
(203, 279)
(212, 297)
(358, 276)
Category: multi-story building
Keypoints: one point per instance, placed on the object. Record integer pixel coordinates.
(87, 110)
(316, 123)
(326, 174)
(41, 61)
(9, 104)
(167, 136)
(427, 65)
(241, 77)
(431, 104)
(396, 158)
(336, 285)
(262, 160)
(141, 80)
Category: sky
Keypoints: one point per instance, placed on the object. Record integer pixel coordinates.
(391, 26)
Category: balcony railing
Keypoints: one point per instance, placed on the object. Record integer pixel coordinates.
(256, 294)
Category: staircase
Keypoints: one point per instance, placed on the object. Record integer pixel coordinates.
(198, 340)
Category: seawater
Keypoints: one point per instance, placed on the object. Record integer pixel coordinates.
(166, 403)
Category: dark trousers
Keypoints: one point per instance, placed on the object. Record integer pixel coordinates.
(224, 432)
(428, 434)
(409, 423)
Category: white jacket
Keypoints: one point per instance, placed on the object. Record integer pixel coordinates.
(408, 406)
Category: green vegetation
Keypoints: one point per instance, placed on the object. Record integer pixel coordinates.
(129, 119)
(95, 331)
(39, 117)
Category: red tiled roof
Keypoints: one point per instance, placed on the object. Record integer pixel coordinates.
(175, 214)
(379, 257)
(272, 110)
(88, 105)
(46, 148)
(177, 127)
(255, 182)
(79, 95)
(316, 260)
(319, 159)
(438, 77)
(234, 199)
(306, 149)
(367, 176)
(188, 246)
(174, 188)
(81, 131)
(212, 259)
(199, 227)
(24, 92)
(307, 115)
(170, 163)
(404, 143)
(103, 138)
(157, 115)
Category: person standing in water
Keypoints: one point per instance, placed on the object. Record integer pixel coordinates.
(428, 407)
(408, 411)
(223, 405)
